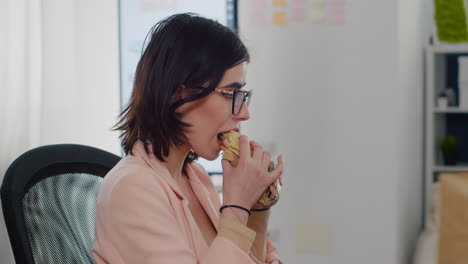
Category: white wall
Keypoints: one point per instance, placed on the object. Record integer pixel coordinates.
(81, 73)
(414, 28)
(347, 118)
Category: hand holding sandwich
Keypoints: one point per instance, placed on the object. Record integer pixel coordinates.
(248, 178)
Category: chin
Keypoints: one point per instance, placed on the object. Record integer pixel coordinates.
(212, 155)
(210, 152)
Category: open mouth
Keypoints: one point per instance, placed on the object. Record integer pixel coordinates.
(221, 139)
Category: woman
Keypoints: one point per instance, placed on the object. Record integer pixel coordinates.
(157, 205)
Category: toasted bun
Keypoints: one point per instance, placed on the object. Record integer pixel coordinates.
(231, 149)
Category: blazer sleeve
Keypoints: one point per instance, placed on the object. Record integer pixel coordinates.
(136, 224)
(272, 251)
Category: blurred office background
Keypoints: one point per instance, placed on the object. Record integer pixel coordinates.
(339, 91)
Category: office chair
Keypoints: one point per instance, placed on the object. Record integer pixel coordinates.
(49, 202)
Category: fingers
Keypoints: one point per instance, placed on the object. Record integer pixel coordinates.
(244, 148)
(278, 171)
(266, 159)
(257, 153)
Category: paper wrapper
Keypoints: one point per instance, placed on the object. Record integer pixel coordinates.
(231, 152)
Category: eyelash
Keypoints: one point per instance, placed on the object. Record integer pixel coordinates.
(227, 95)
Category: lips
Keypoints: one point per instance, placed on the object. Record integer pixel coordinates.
(220, 136)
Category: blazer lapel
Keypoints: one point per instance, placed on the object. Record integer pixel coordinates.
(158, 166)
(203, 196)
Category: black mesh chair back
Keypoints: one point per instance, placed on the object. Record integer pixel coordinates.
(49, 202)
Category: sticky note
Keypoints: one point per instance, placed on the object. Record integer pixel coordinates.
(258, 18)
(257, 4)
(278, 2)
(297, 14)
(336, 15)
(317, 2)
(279, 18)
(313, 238)
(317, 14)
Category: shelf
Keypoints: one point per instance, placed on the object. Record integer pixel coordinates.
(456, 168)
(449, 110)
(449, 48)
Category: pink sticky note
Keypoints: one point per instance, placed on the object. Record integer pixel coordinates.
(257, 4)
(258, 18)
(336, 15)
(297, 14)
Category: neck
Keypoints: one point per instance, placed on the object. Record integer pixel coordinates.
(175, 161)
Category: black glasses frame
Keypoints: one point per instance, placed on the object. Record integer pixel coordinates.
(246, 99)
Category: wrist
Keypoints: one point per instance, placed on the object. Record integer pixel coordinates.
(235, 213)
(261, 209)
(257, 207)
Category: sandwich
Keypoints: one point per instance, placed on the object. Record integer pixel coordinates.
(231, 151)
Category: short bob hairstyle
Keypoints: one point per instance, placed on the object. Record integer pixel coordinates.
(186, 55)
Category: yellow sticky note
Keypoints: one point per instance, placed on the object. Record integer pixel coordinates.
(317, 14)
(279, 18)
(317, 2)
(279, 2)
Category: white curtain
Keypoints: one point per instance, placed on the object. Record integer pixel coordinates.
(20, 87)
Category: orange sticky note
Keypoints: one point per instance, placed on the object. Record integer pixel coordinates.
(279, 2)
(279, 18)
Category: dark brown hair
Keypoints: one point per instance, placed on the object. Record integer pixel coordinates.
(186, 52)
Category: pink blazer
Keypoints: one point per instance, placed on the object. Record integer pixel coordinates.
(143, 217)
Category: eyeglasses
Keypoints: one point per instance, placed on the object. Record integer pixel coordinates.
(239, 97)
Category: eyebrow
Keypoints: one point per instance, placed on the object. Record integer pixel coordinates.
(235, 85)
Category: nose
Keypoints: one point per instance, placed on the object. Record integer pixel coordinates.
(244, 113)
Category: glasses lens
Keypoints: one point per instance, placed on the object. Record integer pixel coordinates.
(249, 96)
(238, 101)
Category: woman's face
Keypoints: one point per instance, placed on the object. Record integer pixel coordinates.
(212, 114)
